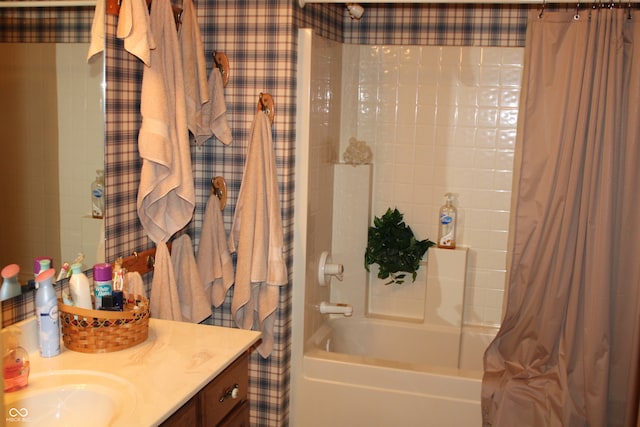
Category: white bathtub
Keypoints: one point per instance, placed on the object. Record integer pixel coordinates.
(379, 373)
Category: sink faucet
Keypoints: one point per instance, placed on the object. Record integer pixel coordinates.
(336, 308)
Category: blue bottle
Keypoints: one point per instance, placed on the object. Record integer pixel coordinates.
(10, 286)
(47, 314)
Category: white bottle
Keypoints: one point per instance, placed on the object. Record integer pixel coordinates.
(447, 221)
(97, 195)
(80, 288)
(47, 315)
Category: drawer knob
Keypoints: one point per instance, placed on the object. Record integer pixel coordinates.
(231, 392)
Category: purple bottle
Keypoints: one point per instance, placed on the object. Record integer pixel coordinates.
(102, 283)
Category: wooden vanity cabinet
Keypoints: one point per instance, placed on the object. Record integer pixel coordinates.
(221, 403)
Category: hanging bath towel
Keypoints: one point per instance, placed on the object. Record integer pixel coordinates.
(164, 302)
(133, 28)
(166, 196)
(213, 119)
(194, 66)
(257, 238)
(214, 261)
(194, 302)
(97, 41)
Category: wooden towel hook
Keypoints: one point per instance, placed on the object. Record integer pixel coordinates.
(265, 103)
(221, 62)
(219, 188)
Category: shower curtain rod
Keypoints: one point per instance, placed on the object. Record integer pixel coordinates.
(47, 3)
(540, 2)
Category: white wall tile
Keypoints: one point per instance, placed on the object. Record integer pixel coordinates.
(445, 120)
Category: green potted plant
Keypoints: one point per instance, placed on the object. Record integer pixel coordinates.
(392, 245)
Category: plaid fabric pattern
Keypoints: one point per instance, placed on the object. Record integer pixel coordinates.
(46, 25)
(439, 25)
(124, 233)
(327, 20)
(259, 40)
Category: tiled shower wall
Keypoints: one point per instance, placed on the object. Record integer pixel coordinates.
(440, 119)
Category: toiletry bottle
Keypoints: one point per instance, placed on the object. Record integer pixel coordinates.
(15, 363)
(47, 314)
(102, 283)
(80, 288)
(10, 286)
(97, 195)
(119, 286)
(447, 224)
(64, 271)
(41, 263)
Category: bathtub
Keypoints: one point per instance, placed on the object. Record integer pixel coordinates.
(379, 373)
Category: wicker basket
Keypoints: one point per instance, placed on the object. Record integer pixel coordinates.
(98, 331)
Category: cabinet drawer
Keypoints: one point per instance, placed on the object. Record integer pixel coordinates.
(186, 416)
(239, 417)
(218, 398)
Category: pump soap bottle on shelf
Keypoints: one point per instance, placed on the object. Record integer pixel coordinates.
(447, 224)
(97, 195)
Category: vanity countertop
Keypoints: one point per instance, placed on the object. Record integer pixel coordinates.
(166, 370)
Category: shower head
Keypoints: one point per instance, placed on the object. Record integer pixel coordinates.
(355, 10)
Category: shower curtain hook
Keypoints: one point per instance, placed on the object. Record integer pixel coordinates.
(577, 15)
(629, 10)
(542, 9)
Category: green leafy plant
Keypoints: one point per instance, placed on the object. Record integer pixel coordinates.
(392, 245)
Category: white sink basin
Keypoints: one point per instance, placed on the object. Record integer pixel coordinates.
(71, 398)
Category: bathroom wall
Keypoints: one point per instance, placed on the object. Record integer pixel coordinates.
(439, 119)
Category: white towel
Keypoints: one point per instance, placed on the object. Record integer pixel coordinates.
(96, 44)
(194, 302)
(213, 120)
(214, 261)
(257, 234)
(164, 301)
(135, 284)
(166, 195)
(194, 65)
(133, 27)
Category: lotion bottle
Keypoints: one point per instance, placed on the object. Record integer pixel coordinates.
(47, 314)
(80, 287)
(447, 221)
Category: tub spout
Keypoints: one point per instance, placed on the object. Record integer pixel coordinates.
(336, 308)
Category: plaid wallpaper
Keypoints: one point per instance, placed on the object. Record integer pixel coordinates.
(439, 25)
(260, 39)
(46, 25)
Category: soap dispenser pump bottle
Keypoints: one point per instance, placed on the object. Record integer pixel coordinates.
(447, 222)
(97, 195)
(47, 315)
(15, 363)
